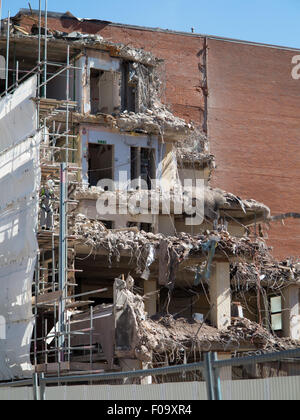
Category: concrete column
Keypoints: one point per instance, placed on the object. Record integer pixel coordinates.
(291, 312)
(220, 296)
(150, 301)
(225, 372)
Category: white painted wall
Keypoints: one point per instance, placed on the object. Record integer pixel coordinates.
(122, 144)
(19, 204)
(96, 60)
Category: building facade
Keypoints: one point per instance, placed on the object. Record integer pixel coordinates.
(137, 251)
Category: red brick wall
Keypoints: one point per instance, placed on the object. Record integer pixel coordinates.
(253, 113)
(254, 130)
(180, 52)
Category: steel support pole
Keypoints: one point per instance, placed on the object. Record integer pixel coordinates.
(35, 387)
(216, 377)
(7, 53)
(208, 370)
(0, 16)
(212, 377)
(62, 257)
(36, 293)
(67, 99)
(42, 387)
(45, 51)
(17, 73)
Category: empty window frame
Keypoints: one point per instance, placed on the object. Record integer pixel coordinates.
(143, 165)
(101, 163)
(129, 89)
(276, 313)
(105, 92)
(146, 227)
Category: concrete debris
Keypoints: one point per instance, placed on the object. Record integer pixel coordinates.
(156, 121)
(214, 199)
(161, 336)
(96, 41)
(138, 244)
(244, 329)
(272, 274)
(222, 199)
(195, 149)
(83, 224)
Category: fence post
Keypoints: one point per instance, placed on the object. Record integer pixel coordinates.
(216, 379)
(42, 387)
(35, 387)
(208, 370)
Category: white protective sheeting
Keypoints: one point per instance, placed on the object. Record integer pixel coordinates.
(18, 115)
(19, 204)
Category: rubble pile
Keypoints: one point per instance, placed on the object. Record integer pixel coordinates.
(242, 329)
(153, 117)
(272, 274)
(214, 199)
(156, 121)
(94, 234)
(194, 149)
(163, 335)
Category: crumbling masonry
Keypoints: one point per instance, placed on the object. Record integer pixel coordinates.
(133, 288)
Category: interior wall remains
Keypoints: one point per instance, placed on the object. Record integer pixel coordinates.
(122, 144)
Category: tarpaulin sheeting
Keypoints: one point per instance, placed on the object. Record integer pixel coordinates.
(18, 115)
(19, 201)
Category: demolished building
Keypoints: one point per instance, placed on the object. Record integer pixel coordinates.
(104, 267)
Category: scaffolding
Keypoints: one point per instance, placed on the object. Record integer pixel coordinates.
(54, 281)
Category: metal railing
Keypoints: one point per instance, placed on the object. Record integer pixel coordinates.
(210, 368)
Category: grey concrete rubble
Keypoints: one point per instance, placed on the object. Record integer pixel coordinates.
(152, 339)
(157, 285)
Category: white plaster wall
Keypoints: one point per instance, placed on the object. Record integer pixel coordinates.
(19, 199)
(18, 115)
(97, 60)
(122, 144)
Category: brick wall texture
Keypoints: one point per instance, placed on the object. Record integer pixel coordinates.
(253, 113)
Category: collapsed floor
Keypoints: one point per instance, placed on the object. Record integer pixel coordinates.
(163, 338)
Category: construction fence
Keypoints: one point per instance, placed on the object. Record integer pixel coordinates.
(207, 380)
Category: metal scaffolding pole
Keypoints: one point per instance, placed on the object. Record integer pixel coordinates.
(7, 53)
(39, 39)
(17, 73)
(0, 16)
(45, 51)
(62, 255)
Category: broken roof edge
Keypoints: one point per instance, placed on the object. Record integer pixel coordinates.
(215, 200)
(66, 15)
(261, 212)
(95, 42)
(93, 234)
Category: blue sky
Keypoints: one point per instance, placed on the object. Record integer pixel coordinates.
(267, 21)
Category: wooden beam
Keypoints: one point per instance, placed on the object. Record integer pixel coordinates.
(47, 298)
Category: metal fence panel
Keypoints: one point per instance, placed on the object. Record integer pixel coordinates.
(16, 394)
(169, 391)
(269, 389)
